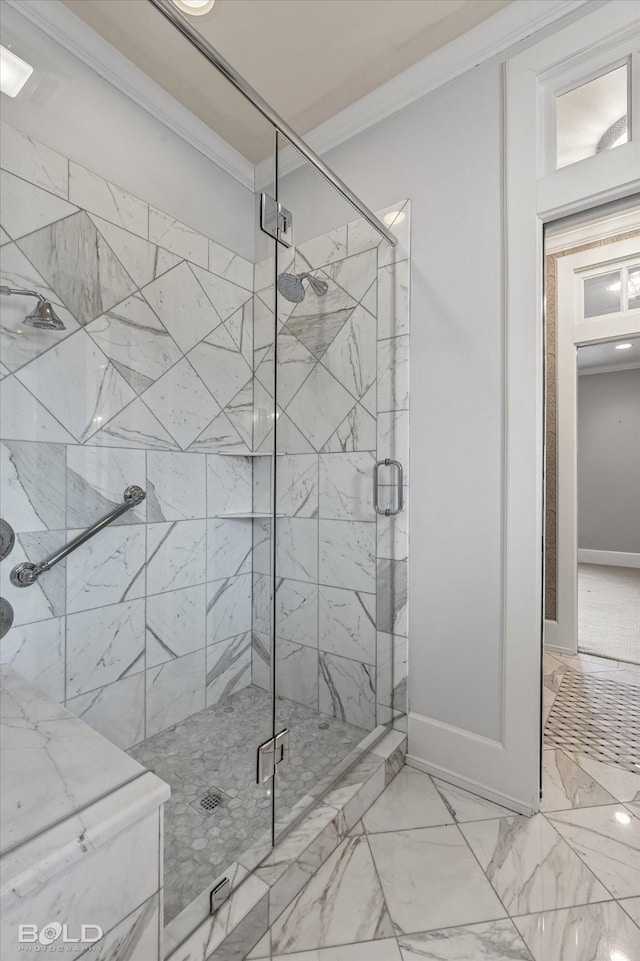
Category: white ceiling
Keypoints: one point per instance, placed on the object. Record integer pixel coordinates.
(604, 356)
(308, 59)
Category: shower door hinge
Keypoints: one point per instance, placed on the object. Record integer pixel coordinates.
(273, 752)
(276, 220)
(219, 895)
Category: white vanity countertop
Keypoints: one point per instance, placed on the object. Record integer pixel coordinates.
(52, 764)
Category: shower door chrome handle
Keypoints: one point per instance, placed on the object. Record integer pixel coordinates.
(388, 511)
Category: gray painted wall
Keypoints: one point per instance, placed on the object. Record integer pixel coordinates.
(609, 461)
(445, 153)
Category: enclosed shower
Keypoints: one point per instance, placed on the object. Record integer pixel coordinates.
(204, 461)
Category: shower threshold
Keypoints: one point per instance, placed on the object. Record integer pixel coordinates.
(215, 751)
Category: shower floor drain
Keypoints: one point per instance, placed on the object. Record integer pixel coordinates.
(209, 802)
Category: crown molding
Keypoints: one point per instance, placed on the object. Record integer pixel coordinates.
(58, 22)
(513, 24)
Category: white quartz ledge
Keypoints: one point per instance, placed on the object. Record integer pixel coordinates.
(56, 778)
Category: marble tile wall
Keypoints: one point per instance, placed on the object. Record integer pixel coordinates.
(343, 403)
(152, 378)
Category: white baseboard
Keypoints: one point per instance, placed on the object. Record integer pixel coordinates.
(468, 785)
(552, 641)
(434, 745)
(610, 558)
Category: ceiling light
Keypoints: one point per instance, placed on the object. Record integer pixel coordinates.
(194, 8)
(623, 346)
(394, 217)
(14, 72)
(622, 817)
(618, 956)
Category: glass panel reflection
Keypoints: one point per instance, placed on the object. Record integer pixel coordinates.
(592, 118)
(602, 294)
(633, 287)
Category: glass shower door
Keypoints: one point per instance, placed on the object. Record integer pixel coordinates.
(334, 649)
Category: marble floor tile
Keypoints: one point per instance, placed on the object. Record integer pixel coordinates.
(342, 903)
(566, 785)
(623, 785)
(432, 880)
(587, 663)
(465, 806)
(530, 866)
(591, 932)
(632, 907)
(410, 801)
(385, 950)
(608, 841)
(490, 941)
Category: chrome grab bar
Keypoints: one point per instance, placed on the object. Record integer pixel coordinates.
(25, 574)
(388, 511)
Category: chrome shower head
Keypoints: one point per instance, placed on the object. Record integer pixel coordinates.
(292, 288)
(43, 315)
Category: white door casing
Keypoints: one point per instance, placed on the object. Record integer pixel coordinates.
(572, 331)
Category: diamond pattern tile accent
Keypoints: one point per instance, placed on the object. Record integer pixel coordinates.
(597, 717)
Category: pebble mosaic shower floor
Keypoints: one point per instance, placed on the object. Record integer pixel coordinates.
(216, 748)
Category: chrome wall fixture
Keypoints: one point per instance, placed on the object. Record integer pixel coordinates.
(25, 574)
(169, 10)
(43, 315)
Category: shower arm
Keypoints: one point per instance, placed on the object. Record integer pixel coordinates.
(25, 293)
(25, 574)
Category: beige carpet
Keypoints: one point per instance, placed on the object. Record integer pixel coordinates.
(609, 611)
